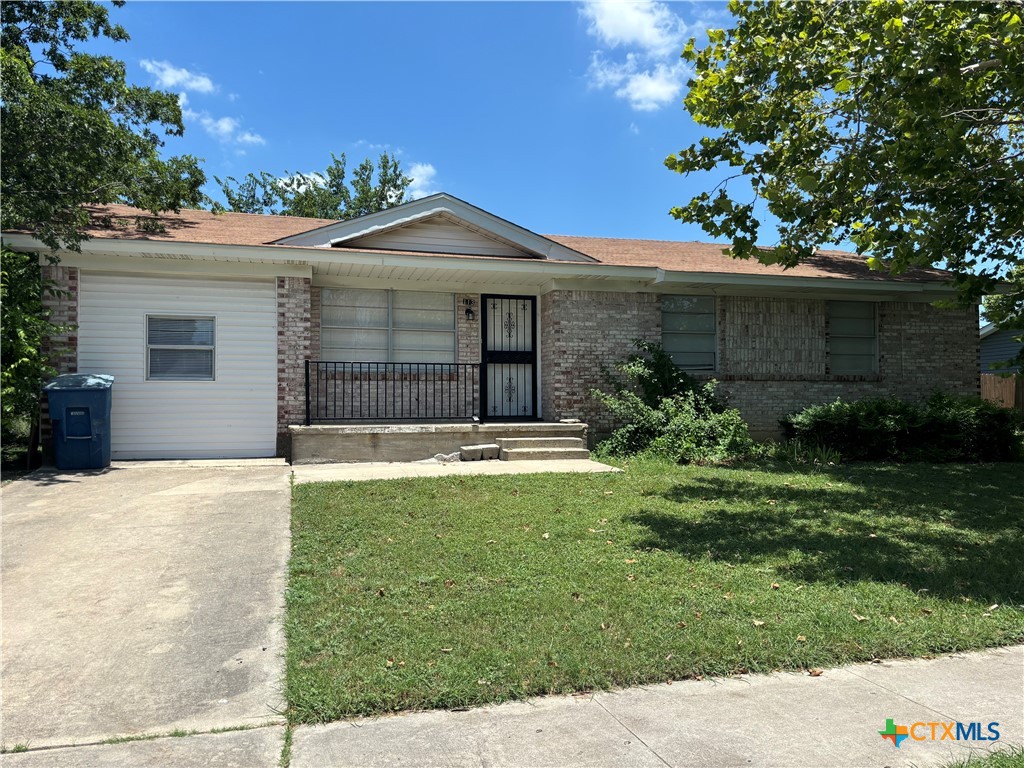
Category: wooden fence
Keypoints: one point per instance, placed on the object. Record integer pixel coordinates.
(1007, 391)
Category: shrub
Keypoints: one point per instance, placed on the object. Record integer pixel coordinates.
(943, 428)
(666, 412)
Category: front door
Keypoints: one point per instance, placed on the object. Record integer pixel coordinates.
(509, 381)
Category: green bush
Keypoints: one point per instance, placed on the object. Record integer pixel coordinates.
(666, 412)
(944, 428)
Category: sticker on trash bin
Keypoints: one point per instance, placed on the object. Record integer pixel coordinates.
(76, 413)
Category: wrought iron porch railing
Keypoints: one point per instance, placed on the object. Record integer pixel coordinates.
(366, 391)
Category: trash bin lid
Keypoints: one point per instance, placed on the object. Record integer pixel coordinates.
(81, 381)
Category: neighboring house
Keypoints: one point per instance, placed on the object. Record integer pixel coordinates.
(997, 346)
(437, 310)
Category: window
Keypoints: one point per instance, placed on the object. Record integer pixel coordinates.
(180, 348)
(852, 337)
(387, 326)
(688, 331)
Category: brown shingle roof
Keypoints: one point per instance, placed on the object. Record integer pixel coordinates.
(677, 256)
(119, 222)
(188, 226)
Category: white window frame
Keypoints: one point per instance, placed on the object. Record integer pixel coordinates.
(390, 327)
(713, 333)
(832, 335)
(211, 347)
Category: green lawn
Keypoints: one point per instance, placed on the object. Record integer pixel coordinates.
(1011, 757)
(466, 590)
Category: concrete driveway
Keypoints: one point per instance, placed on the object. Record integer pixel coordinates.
(143, 599)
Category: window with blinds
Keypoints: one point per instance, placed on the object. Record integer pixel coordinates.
(180, 348)
(853, 337)
(386, 326)
(688, 331)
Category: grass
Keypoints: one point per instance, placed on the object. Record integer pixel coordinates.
(453, 592)
(1012, 757)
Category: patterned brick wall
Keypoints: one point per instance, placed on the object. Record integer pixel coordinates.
(772, 352)
(467, 330)
(582, 334)
(314, 322)
(921, 348)
(293, 349)
(60, 348)
(764, 337)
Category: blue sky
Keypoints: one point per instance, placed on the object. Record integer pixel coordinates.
(557, 116)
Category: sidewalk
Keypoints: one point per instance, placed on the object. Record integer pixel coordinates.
(326, 473)
(784, 720)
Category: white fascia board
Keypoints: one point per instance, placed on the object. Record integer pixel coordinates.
(541, 271)
(666, 278)
(155, 250)
(430, 207)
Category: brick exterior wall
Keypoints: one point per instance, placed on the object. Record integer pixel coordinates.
(921, 348)
(294, 316)
(772, 353)
(582, 334)
(60, 348)
(467, 330)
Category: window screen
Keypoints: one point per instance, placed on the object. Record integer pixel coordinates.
(180, 348)
(853, 343)
(688, 331)
(387, 326)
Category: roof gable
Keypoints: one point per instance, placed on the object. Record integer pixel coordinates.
(437, 224)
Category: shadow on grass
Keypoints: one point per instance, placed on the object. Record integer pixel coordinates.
(962, 536)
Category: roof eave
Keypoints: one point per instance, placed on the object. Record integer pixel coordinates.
(652, 277)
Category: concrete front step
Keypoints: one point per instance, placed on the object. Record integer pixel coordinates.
(512, 443)
(479, 452)
(543, 454)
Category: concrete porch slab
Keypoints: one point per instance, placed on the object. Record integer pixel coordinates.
(327, 473)
(325, 443)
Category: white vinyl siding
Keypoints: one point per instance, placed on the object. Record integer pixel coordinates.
(386, 326)
(234, 416)
(853, 337)
(437, 235)
(688, 331)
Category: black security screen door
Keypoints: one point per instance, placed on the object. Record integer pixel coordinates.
(509, 381)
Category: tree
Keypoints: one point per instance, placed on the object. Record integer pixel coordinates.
(897, 126)
(74, 133)
(321, 194)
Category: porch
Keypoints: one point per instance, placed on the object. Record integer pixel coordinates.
(325, 443)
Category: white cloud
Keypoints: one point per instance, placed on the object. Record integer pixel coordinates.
(634, 129)
(227, 130)
(169, 76)
(645, 88)
(248, 137)
(650, 75)
(422, 180)
(300, 182)
(650, 26)
(373, 147)
(221, 128)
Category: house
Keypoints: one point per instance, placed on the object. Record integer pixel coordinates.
(998, 346)
(225, 330)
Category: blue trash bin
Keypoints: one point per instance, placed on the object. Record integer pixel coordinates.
(80, 413)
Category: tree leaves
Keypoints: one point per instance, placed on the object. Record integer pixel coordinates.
(75, 132)
(898, 126)
(322, 194)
